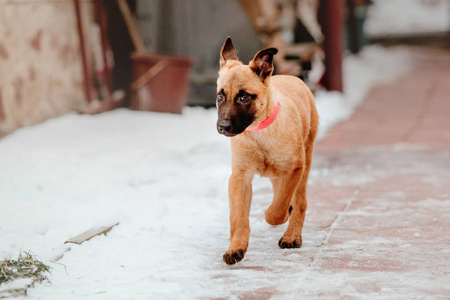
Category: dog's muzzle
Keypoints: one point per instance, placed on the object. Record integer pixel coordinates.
(224, 127)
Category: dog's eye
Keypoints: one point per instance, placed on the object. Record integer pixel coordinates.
(220, 97)
(244, 97)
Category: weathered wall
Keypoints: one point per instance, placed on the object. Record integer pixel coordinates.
(40, 62)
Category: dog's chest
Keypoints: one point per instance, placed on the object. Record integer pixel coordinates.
(266, 155)
(275, 162)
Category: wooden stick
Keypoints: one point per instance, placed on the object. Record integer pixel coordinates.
(85, 236)
(131, 25)
(86, 71)
(152, 72)
(106, 76)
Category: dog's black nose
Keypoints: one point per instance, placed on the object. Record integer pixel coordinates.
(224, 127)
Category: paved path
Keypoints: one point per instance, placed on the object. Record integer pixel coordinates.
(380, 189)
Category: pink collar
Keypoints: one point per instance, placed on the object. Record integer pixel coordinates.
(267, 121)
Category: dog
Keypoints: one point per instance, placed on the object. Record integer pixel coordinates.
(272, 123)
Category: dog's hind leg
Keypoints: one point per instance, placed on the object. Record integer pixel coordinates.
(292, 238)
(270, 213)
(284, 187)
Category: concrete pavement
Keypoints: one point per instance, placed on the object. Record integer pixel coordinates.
(380, 188)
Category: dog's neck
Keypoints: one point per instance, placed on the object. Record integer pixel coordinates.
(271, 103)
(268, 117)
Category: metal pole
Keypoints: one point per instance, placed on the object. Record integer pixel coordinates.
(102, 22)
(352, 27)
(331, 19)
(87, 74)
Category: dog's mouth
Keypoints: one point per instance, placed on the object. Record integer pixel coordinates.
(229, 134)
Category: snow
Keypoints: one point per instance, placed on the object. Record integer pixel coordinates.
(407, 17)
(164, 178)
(16, 284)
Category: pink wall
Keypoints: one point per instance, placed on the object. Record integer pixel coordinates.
(40, 62)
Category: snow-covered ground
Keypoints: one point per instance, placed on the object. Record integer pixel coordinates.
(407, 17)
(164, 178)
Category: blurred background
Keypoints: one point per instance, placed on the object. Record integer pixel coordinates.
(58, 56)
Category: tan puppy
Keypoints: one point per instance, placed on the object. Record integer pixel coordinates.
(249, 98)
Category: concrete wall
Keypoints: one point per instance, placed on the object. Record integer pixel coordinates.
(40, 63)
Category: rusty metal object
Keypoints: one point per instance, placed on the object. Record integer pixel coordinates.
(86, 71)
(331, 18)
(107, 68)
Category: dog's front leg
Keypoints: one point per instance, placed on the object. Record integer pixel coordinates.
(240, 196)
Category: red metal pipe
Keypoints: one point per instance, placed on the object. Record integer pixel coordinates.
(102, 22)
(87, 74)
(331, 18)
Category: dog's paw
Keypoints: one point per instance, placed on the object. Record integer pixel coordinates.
(286, 242)
(234, 256)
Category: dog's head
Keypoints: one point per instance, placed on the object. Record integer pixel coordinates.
(242, 89)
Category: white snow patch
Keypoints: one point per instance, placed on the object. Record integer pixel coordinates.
(360, 180)
(395, 194)
(407, 17)
(437, 180)
(20, 283)
(399, 147)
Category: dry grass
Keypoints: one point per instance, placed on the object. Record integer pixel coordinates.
(26, 266)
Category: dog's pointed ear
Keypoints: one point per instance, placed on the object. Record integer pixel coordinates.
(262, 63)
(228, 52)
